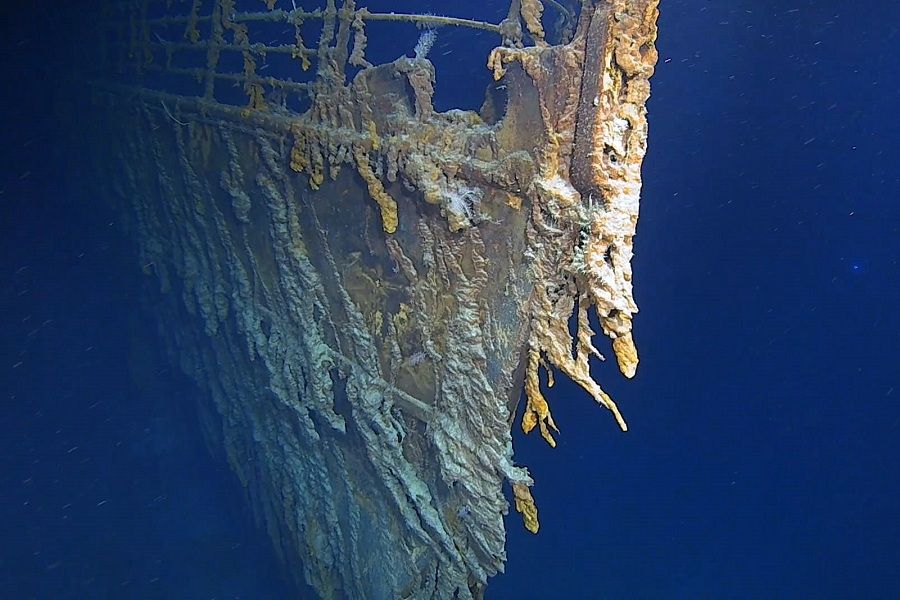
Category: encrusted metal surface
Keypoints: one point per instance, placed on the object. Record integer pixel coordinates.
(364, 288)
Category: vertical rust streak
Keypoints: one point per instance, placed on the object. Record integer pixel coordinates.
(213, 50)
(596, 32)
(342, 44)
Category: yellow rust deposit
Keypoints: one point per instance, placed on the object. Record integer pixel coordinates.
(387, 204)
(526, 507)
(531, 11)
(537, 411)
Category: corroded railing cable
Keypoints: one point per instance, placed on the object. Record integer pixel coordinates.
(258, 48)
(274, 82)
(290, 16)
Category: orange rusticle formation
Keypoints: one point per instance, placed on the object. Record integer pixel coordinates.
(526, 507)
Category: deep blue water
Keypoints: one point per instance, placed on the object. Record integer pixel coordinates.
(762, 456)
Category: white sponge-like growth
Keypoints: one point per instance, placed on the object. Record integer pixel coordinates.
(463, 201)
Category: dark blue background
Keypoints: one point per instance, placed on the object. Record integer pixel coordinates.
(762, 456)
